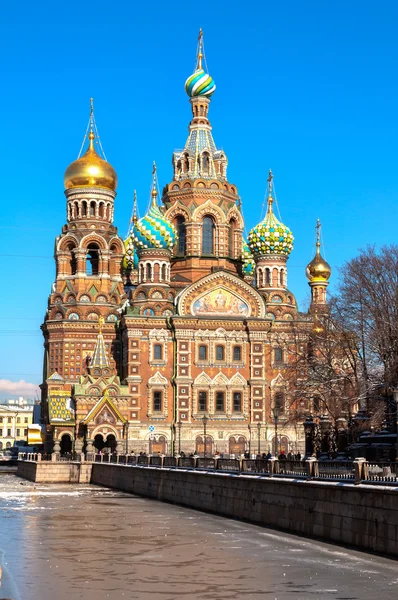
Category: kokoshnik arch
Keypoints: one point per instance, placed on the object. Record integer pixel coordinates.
(145, 337)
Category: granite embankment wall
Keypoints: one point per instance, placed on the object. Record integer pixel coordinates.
(55, 472)
(359, 515)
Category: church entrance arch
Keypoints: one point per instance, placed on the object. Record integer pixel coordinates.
(66, 444)
(158, 445)
(99, 442)
(110, 443)
(237, 445)
(203, 449)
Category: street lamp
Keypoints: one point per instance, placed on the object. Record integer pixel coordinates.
(258, 437)
(275, 414)
(204, 420)
(179, 436)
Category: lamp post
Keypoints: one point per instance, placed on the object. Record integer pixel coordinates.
(204, 420)
(179, 436)
(258, 437)
(275, 414)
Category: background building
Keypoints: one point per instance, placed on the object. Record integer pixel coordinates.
(14, 424)
(177, 338)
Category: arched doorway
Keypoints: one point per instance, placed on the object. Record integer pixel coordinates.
(203, 449)
(158, 445)
(237, 445)
(111, 443)
(66, 444)
(99, 442)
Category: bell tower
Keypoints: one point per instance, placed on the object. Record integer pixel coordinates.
(88, 255)
(200, 202)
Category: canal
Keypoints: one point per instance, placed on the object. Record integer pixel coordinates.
(71, 542)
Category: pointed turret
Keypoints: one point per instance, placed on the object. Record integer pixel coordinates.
(99, 359)
(318, 272)
(200, 157)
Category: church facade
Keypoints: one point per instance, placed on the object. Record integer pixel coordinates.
(177, 338)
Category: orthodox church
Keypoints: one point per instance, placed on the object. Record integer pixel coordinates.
(177, 338)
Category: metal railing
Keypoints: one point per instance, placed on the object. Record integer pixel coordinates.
(356, 471)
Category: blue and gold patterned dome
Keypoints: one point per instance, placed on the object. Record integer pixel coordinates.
(248, 261)
(270, 236)
(153, 230)
(200, 83)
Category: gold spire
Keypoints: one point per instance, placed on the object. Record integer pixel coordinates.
(90, 170)
(270, 185)
(135, 218)
(154, 192)
(318, 270)
(200, 49)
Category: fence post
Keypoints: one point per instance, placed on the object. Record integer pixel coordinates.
(312, 467)
(39, 457)
(273, 466)
(359, 466)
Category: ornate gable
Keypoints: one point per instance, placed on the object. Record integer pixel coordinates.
(104, 411)
(221, 294)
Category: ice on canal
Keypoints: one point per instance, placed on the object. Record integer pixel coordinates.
(70, 542)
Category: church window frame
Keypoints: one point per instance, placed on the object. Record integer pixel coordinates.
(237, 399)
(92, 259)
(157, 401)
(158, 352)
(208, 235)
(220, 401)
(237, 353)
(181, 227)
(220, 352)
(278, 355)
(203, 399)
(203, 352)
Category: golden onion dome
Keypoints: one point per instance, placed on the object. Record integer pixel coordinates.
(90, 170)
(318, 269)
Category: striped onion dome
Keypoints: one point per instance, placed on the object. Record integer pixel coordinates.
(154, 230)
(270, 236)
(248, 261)
(199, 84)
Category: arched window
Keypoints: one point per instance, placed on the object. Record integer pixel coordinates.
(232, 227)
(186, 163)
(237, 397)
(268, 276)
(182, 236)
(92, 260)
(220, 401)
(92, 209)
(205, 163)
(101, 210)
(164, 273)
(84, 209)
(282, 276)
(148, 271)
(278, 355)
(279, 402)
(208, 236)
(202, 404)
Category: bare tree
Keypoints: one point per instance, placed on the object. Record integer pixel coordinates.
(367, 306)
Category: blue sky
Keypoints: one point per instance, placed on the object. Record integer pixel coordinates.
(308, 89)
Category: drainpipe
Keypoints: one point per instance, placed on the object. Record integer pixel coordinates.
(170, 326)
